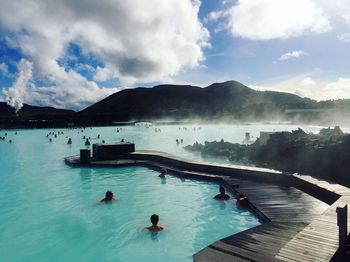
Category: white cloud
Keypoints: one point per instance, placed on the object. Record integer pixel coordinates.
(338, 89)
(293, 54)
(299, 93)
(214, 16)
(318, 90)
(344, 37)
(103, 74)
(70, 90)
(136, 40)
(308, 81)
(4, 69)
(273, 19)
(336, 8)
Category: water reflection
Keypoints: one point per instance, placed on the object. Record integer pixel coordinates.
(163, 180)
(222, 205)
(85, 175)
(154, 236)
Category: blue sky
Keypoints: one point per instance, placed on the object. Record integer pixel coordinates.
(73, 53)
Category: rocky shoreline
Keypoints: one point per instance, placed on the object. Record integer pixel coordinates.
(325, 155)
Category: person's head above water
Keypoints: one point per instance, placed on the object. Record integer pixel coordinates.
(222, 190)
(154, 219)
(222, 195)
(163, 172)
(155, 227)
(109, 195)
(239, 195)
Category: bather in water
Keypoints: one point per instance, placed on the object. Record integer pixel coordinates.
(109, 197)
(163, 172)
(155, 227)
(222, 195)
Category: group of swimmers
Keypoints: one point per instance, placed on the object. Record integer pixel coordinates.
(87, 140)
(242, 199)
(194, 129)
(4, 138)
(51, 133)
(179, 141)
(109, 198)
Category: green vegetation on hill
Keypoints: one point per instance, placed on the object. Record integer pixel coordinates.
(325, 155)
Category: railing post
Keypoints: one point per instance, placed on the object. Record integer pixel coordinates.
(342, 222)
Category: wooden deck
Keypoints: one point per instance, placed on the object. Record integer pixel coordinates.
(258, 244)
(299, 225)
(318, 241)
(289, 211)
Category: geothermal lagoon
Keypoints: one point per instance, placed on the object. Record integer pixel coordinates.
(50, 211)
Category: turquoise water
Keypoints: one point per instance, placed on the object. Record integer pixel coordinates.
(49, 211)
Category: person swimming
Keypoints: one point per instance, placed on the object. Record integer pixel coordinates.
(222, 195)
(87, 142)
(109, 197)
(163, 172)
(242, 199)
(155, 227)
(69, 142)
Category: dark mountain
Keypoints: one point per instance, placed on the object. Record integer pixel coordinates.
(230, 99)
(6, 110)
(32, 112)
(34, 116)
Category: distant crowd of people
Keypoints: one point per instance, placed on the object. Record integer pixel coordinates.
(3, 138)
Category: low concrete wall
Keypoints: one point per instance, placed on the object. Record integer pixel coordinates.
(184, 165)
(319, 192)
(111, 151)
(262, 174)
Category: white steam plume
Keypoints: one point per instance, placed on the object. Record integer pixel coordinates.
(15, 95)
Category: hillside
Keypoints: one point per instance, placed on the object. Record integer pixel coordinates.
(34, 117)
(32, 112)
(230, 100)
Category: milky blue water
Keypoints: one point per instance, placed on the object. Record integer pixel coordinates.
(49, 211)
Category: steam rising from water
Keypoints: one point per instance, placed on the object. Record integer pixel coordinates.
(15, 95)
